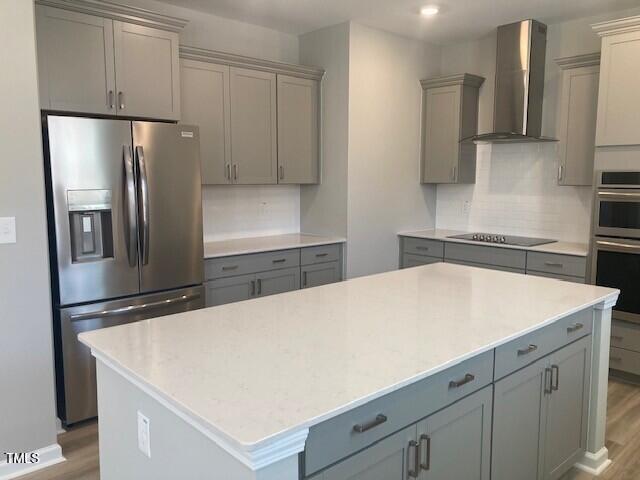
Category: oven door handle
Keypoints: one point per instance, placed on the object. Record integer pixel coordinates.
(618, 247)
(619, 195)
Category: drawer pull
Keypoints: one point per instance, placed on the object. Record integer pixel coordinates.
(320, 255)
(575, 327)
(615, 359)
(280, 260)
(413, 446)
(554, 264)
(617, 338)
(419, 247)
(458, 383)
(526, 351)
(229, 267)
(427, 464)
(363, 427)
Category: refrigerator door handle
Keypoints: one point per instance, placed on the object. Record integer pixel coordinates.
(130, 206)
(143, 202)
(134, 309)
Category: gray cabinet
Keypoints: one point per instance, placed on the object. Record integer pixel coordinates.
(102, 65)
(147, 71)
(254, 153)
(577, 124)
(389, 459)
(420, 251)
(619, 96)
(231, 289)
(320, 274)
(455, 443)
(298, 130)
(540, 415)
(277, 281)
(409, 260)
(206, 102)
(450, 114)
(75, 61)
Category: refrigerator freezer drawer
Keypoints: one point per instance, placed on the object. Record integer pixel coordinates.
(76, 373)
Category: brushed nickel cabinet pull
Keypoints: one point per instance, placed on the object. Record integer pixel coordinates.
(229, 171)
(259, 286)
(555, 384)
(526, 351)
(575, 327)
(320, 255)
(363, 427)
(110, 99)
(253, 287)
(229, 267)
(560, 172)
(235, 171)
(554, 264)
(413, 446)
(427, 464)
(281, 172)
(458, 383)
(420, 247)
(121, 100)
(280, 260)
(304, 279)
(547, 381)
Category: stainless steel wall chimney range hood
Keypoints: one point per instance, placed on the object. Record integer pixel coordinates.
(517, 107)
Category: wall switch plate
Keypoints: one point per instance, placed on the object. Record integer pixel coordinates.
(144, 438)
(7, 229)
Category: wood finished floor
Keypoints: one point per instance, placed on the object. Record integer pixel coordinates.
(80, 445)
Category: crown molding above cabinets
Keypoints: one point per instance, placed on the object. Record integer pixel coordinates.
(116, 11)
(576, 61)
(615, 27)
(234, 60)
(464, 79)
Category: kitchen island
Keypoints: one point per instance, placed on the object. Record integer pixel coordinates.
(406, 374)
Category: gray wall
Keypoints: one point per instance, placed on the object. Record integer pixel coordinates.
(27, 418)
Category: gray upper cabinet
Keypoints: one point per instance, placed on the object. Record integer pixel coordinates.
(147, 71)
(75, 61)
(450, 114)
(455, 443)
(206, 102)
(298, 130)
(92, 60)
(253, 126)
(389, 459)
(578, 112)
(619, 96)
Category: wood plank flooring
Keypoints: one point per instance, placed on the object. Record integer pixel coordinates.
(80, 445)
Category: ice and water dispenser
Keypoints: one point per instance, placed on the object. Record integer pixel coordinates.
(91, 225)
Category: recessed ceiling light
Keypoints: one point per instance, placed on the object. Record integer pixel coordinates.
(429, 10)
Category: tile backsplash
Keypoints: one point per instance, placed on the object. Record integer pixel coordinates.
(237, 211)
(516, 192)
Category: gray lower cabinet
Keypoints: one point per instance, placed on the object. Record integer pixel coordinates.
(230, 289)
(540, 416)
(409, 260)
(277, 281)
(320, 274)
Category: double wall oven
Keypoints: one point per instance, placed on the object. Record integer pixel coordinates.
(615, 255)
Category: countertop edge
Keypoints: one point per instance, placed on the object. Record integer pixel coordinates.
(249, 251)
(291, 441)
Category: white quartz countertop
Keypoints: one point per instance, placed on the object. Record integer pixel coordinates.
(559, 247)
(241, 246)
(256, 372)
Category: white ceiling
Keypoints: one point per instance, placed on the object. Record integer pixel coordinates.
(458, 19)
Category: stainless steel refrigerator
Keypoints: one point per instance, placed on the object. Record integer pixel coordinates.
(125, 235)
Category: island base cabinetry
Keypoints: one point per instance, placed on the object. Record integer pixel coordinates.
(453, 443)
(540, 416)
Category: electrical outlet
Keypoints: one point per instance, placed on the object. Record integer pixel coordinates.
(144, 438)
(466, 207)
(7, 229)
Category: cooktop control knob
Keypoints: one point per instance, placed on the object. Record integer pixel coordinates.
(475, 236)
(503, 239)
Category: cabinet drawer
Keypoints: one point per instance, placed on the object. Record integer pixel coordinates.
(557, 276)
(557, 264)
(410, 260)
(624, 360)
(320, 254)
(521, 352)
(498, 256)
(336, 438)
(625, 335)
(423, 246)
(243, 264)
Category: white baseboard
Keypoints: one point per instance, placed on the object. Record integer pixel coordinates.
(48, 456)
(59, 428)
(594, 463)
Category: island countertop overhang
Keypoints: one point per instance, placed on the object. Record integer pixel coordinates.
(256, 375)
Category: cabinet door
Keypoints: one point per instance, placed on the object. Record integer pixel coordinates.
(566, 428)
(278, 281)
(206, 102)
(441, 134)
(320, 274)
(75, 61)
(147, 72)
(520, 404)
(455, 443)
(577, 132)
(298, 100)
(619, 97)
(409, 260)
(389, 459)
(253, 126)
(231, 289)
